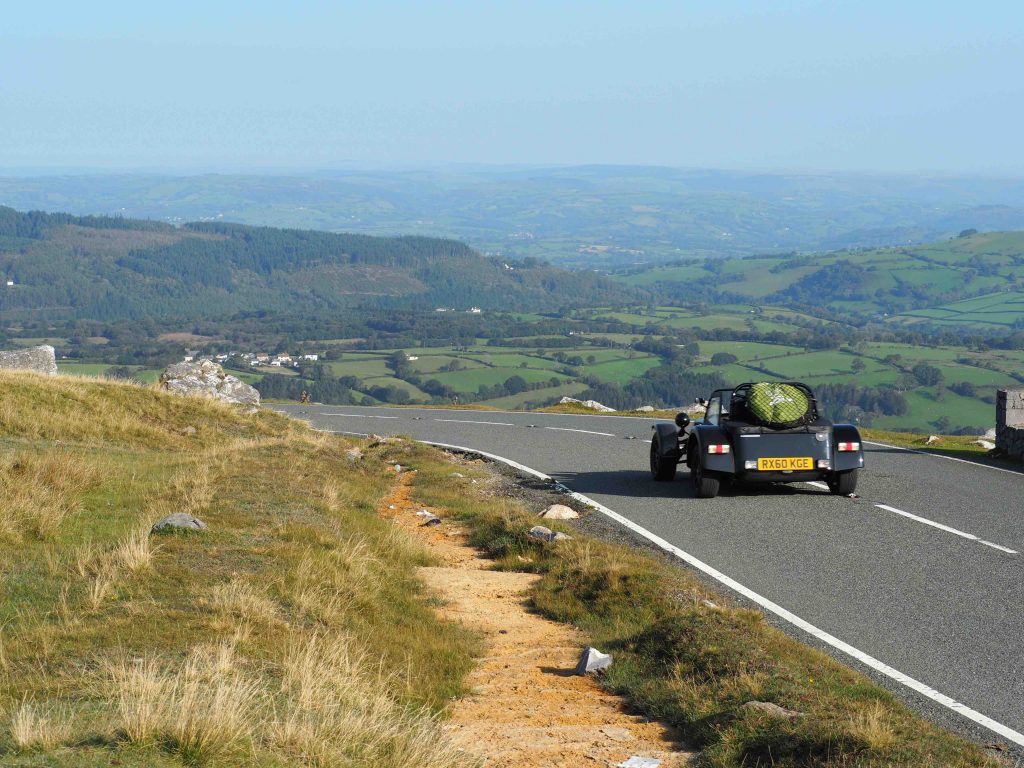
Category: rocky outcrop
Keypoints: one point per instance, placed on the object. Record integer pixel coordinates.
(1010, 422)
(39, 359)
(205, 378)
(591, 404)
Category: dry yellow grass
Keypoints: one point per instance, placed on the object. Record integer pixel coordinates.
(36, 727)
(40, 490)
(873, 725)
(239, 600)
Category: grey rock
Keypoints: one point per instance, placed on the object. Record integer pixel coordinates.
(592, 660)
(179, 520)
(456, 474)
(432, 520)
(636, 761)
(541, 533)
(591, 404)
(39, 359)
(354, 454)
(709, 604)
(986, 444)
(559, 536)
(931, 439)
(205, 378)
(989, 434)
(774, 710)
(559, 512)
(645, 409)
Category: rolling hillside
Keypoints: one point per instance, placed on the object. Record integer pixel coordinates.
(73, 268)
(974, 281)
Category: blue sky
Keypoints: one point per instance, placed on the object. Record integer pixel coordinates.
(189, 86)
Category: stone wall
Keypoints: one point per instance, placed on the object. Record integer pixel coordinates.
(39, 359)
(1010, 422)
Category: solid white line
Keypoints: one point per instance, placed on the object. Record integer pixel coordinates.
(1000, 547)
(926, 521)
(818, 484)
(584, 431)
(879, 666)
(468, 421)
(940, 456)
(357, 415)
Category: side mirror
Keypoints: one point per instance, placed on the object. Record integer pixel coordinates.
(682, 420)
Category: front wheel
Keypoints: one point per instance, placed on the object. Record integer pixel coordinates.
(663, 468)
(703, 486)
(843, 483)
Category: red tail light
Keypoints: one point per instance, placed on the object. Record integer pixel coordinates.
(718, 449)
(847, 446)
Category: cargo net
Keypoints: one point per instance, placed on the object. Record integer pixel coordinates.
(778, 405)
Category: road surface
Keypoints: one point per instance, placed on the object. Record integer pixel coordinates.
(921, 574)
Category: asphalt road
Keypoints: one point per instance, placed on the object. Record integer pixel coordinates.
(937, 595)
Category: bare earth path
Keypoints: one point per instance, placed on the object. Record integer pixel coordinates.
(525, 708)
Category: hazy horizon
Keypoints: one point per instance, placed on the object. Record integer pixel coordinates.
(795, 87)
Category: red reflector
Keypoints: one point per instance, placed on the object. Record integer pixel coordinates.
(848, 446)
(718, 449)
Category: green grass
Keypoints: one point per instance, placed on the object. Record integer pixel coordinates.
(121, 648)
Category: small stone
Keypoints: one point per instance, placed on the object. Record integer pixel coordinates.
(774, 710)
(986, 444)
(432, 520)
(616, 733)
(354, 453)
(189, 430)
(559, 536)
(425, 513)
(181, 520)
(456, 474)
(398, 467)
(592, 660)
(709, 604)
(391, 506)
(640, 762)
(560, 512)
(541, 533)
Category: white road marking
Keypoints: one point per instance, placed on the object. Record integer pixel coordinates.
(941, 527)
(818, 484)
(584, 431)
(940, 456)
(1000, 547)
(469, 421)
(894, 674)
(360, 416)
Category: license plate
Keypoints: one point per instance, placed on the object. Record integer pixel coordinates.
(785, 464)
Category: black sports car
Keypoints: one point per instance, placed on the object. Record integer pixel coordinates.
(766, 432)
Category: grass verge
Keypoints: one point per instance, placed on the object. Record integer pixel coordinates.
(292, 632)
(688, 657)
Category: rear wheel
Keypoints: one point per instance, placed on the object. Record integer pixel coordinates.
(843, 483)
(705, 487)
(662, 467)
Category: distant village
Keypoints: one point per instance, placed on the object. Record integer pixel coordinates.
(254, 359)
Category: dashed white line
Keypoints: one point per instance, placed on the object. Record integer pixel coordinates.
(879, 666)
(584, 431)
(469, 421)
(946, 528)
(360, 416)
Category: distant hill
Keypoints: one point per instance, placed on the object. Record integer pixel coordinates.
(974, 281)
(585, 216)
(104, 268)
